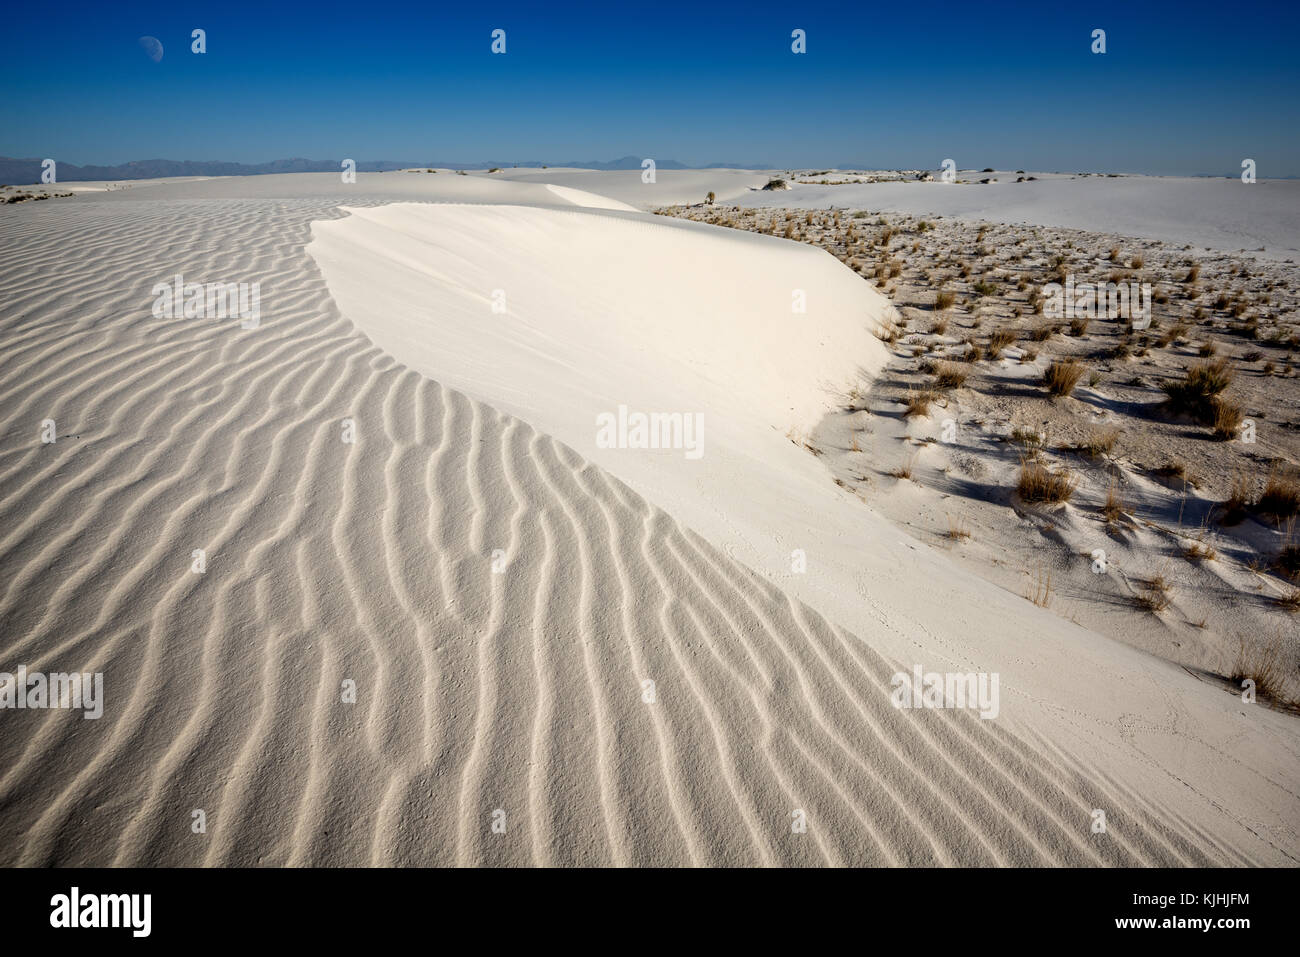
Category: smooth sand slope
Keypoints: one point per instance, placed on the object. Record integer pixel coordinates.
(521, 689)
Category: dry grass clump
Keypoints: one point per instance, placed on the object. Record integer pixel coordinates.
(1114, 509)
(1199, 551)
(1200, 381)
(999, 341)
(949, 375)
(1281, 496)
(1234, 508)
(957, 529)
(918, 402)
(1027, 438)
(1265, 665)
(1040, 589)
(905, 470)
(1154, 596)
(1038, 483)
(1227, 419)
(1062, 376)
(1197, 395)
(1287, 562)
(1099, 441)
(1174, 333)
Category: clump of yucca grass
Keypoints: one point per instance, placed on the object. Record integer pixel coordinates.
(940, 326)
(1062, 376)
(918, 402)
(1038, 483)
(1281, 496)
(943, 299)
(1000, 339)
(957, 529)
(1198, 392)
(949, 375)
(1098, 441)
(1199, 551)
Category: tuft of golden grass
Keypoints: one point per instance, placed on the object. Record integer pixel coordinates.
(948, 375)
(1000, 339)
(1281, 496)
(1114, 508)
(904, 471)
(1233, 508)
(918, 402)
(1154, 596)
(1099, 441)
(1040, 589)
(1062, 376)
(1201, 384)
(1227, 418)
(1287, 562)
(1264, 664)
(1038, 483)
(1199, 551)
(957, 529)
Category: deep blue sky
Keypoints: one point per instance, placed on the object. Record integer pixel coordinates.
(1183, 88)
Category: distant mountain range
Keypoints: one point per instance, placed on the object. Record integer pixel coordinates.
(18, 172)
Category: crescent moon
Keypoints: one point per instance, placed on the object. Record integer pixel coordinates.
(152, 47)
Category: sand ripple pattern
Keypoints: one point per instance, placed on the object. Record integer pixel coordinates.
(520, 690)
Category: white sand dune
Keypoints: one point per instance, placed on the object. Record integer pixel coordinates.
(521, 690)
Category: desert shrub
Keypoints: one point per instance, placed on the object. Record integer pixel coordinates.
(1281, 496)
(1114, 508)
(918, 401)
(1099, 441)
(1062, 376)
(999, 341)
(1227, 419)
(1038, 483)
(1201, 385)
(950, 376)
